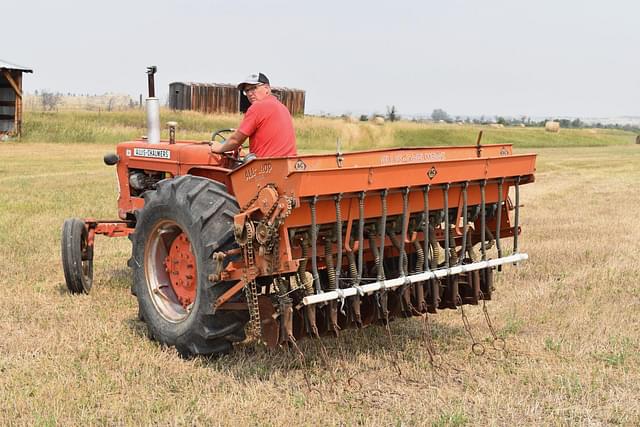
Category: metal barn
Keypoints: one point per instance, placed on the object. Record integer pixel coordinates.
(226, 98)
(11, 98)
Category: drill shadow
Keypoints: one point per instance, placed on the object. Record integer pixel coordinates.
(352, 352)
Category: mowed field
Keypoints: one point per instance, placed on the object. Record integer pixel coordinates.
(570, 317)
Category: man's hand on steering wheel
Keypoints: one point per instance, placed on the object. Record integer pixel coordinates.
(215, 145)
(231, 145)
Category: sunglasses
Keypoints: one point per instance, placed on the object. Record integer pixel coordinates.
(248, 90)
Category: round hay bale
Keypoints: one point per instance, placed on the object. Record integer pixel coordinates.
(497, 125)
(378, 120)
(552, 126)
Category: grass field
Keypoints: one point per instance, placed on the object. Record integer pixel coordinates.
(313, 133)
(570, 315)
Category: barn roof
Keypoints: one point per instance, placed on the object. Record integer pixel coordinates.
(10, 66)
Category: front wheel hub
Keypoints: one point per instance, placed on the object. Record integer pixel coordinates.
(180, 264)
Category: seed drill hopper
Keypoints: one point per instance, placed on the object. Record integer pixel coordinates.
(284, 248)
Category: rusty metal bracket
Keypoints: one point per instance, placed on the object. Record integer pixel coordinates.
(339, 156)
(478, 146)
(252, 273)
(218, 259)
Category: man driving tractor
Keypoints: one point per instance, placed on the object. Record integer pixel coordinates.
(267, 123)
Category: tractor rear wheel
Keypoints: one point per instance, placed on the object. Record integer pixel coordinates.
(182, 224)
(77, 256)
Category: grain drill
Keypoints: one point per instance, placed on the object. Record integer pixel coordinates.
(285, 248)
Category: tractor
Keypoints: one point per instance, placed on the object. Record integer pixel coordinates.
(277, 249)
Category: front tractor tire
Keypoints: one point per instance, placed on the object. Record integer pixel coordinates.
(77, 256)
(183, 222)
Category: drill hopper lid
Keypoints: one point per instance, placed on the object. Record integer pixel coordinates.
(305, 176)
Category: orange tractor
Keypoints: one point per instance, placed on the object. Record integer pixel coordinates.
(283, 248)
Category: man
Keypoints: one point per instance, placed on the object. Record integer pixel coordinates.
(267, 123)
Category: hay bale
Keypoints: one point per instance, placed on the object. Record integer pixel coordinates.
(497, 125)
(552, 126)
(638, 139)
(378, 120)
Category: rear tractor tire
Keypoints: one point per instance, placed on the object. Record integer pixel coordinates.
(77, 256)
(181, 225)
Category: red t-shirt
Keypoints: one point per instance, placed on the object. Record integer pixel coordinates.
(269, 127)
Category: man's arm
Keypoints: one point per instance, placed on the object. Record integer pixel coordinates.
(229, 144)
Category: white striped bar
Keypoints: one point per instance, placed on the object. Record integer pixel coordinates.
(419, 277)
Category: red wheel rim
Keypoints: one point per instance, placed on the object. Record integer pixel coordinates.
(180, 264)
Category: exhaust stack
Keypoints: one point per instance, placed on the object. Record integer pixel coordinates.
(153, 109)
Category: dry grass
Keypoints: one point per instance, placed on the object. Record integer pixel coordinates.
(570, 317)
(104, 102)
(313, 133)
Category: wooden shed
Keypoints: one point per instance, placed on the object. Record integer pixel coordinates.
(11, 98)
(226, 98)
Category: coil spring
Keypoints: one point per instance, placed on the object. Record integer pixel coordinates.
(328, 259)
(353, 269)
(302, 268)
(383, 227)
(304, 249)
(282, 291)
(419, 257)
(453, 254)
(360, 233)
(376, 255)
(314, 242)
(338, 198)
(435, 248)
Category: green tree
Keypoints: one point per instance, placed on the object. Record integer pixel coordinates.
(439, 114)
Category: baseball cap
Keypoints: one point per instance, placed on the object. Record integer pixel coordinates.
(254, 79)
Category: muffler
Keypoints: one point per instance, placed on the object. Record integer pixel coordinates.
(153, 109)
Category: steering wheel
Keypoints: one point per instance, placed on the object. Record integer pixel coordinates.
(233, 155)
(219, 133)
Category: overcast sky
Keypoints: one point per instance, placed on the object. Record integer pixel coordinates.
(538, 58)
